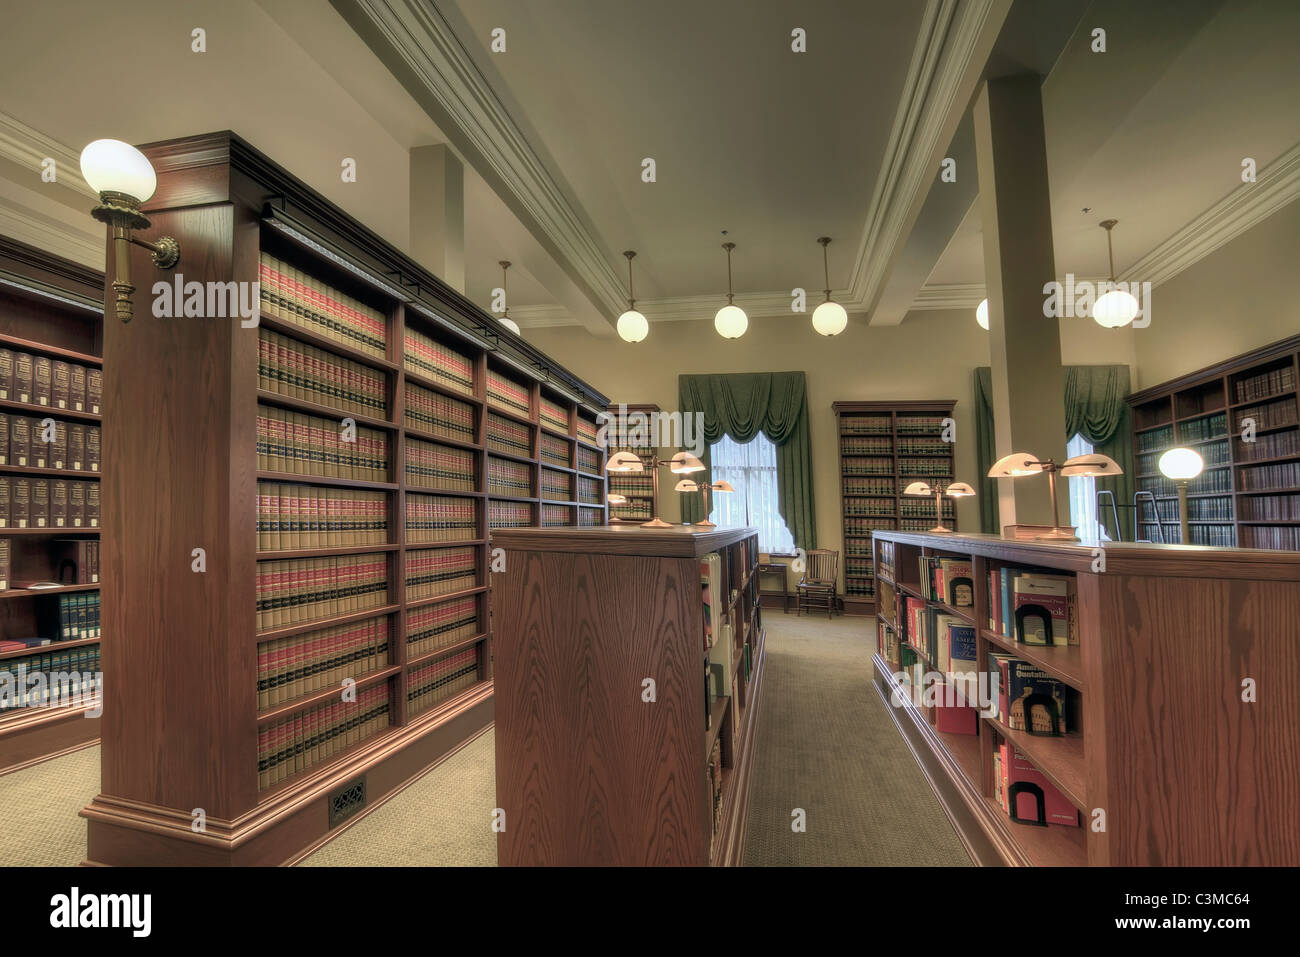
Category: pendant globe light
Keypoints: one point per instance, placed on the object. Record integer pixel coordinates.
(1118, 307)
(829, 318)
(982, 314)
(632, 326)
(505, 320)
(731, 321)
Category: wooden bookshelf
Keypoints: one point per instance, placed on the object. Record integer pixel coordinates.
(1246, 496)
(352, 335)
(883, 446)
(589, 773)
(51, 309)
(1166, 636)
(637, 487)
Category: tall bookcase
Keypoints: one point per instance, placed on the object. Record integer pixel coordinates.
(50, 322)
(884, 446)
(1249, 493)
(343, 466)
(1166, 638)
(637, 487)
(629, 671)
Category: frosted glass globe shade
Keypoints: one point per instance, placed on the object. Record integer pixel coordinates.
(1181, 465)
(632, 326)
(731, 322)
(111, 166)
(830, 318)
(982, 314)
(1115, 309)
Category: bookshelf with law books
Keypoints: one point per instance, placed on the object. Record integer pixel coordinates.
(51, 416)
(597, 777)
(637, 487)
(1241, 416)
(362, 443)
(1114, 694)
(884, 446)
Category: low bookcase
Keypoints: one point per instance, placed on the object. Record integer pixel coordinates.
(302, 512)
(623, 737)
(1180, 723)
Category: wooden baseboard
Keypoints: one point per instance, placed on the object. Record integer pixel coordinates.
(37, 735)
(292, 822)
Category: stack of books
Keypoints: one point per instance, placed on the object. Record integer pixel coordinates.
(296, 591)
(438, 414)
(314, 735)
(288, 668)
(312, 516)
(439, 466)
(288, 367)
(439, 571)
(292, 296)
(440, 680)
(440, 518)
(53, 383)
(441, 625)
(299, 444)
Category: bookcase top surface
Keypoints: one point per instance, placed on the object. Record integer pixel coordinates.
(1127, 558)
(677, 541)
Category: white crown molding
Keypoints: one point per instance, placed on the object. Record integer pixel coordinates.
(419, 36)
(1242, 209)
(28, 148)
(952, 295)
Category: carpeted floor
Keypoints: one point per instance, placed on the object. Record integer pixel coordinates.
(825, 744)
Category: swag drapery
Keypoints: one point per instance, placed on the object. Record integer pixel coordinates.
(741, 405)
(1094, 408)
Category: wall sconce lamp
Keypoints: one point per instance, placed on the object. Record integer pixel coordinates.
(1181, 466)
(1020, 464)
(953, 490)
(124, 179)
(688, 485)
(682, 463)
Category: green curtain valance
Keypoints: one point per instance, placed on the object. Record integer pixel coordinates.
(743, 404)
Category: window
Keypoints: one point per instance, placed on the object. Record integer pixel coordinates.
(751, 470)
(1083, 496)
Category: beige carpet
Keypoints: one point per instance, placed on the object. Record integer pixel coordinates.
(825, 744)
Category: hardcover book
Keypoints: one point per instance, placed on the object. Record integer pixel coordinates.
(1045, 610)
(1026, 794)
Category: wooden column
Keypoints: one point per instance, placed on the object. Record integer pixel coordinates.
(438, 212)
(1025, 346)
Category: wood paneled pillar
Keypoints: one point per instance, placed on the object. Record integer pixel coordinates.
(1025, 346)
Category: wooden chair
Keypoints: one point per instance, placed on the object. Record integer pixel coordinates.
(817, 587)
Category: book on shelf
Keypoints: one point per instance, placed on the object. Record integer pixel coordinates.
(712, 596)
(291, 368)
(6, 373)
(441, 680)
(67, 676)
(77, 560)
(1028, 698)
(6, 563)
(293, 296)
(94, 390)
(440, 571)
(431, 627)
(949, 580)
(1025, 794)
(301, 444)
(429, 465)
(506, 393)
(289, 668)
(24, 367)
(314, 735)
(1045, 609)
(298, 591)
(291, 516)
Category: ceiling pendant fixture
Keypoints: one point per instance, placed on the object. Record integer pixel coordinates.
(731, 321)
(632, 326)
(1118, 307)
(505, 320)
(829, 318)
(982, 314)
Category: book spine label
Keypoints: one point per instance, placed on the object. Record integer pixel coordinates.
(42, 380)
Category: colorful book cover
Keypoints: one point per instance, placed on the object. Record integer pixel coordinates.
(1044, 610)
(1026, 794)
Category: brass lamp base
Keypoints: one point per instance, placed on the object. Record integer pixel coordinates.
(705, 524)
(940, 530)
(656, 523)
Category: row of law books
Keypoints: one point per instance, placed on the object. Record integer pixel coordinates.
(1265, 384)
(554, 415)
(288, 668)
(556, 516)
(1265, 477)
(440, 363)
(587, 429)
(314, 735)
(440, 680)
(509, 514)
(869, 486)
(301, 590)
(49, 444)
(946, 641)
(556, 485)
(589, 517)
(295, 369)
(633, 510)
(1208, 427)
(440, 518)
(432, 627)
(48, 503)
(293, 296)
(924, 446)
(293, 516)
(868, 506)
(554, 450)
(299, 444)
(1270, 415)
(591, 491)
(1270, 445)
(1157, 440)
(1036, 608)
(874, 466)
(506, 477)
(429, 465)
(862, 445)
(588, 460)
(507, 435)
(920, 424)
(79, 616)
(924, 508)
(1286, 537)
(505, 393)
(39, 380)
(1270, 508)
(926, 468)
(439, 571)
(67, 675)
(438, 414)
(863, 527)
(866, 425)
